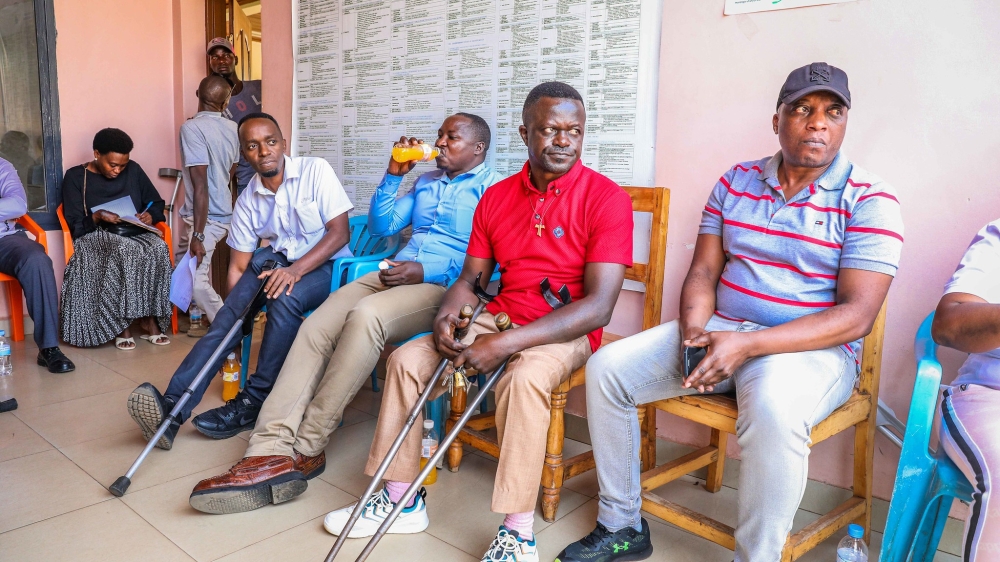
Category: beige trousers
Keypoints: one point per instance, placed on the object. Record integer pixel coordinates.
(522, 413)
(204, 294)
(333, 354)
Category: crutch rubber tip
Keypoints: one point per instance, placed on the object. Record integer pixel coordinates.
(120, 486)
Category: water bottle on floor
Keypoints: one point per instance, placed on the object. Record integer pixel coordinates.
(7, 402)
(195, 314)
(230, 378)
(852, 548)
(429, 446)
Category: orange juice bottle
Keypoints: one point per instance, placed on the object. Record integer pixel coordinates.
(421, 153)
(230, 378)
(429, 446)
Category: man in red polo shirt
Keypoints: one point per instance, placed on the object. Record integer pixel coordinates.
(556, 219)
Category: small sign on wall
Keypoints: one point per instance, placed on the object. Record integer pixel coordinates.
(734, 7)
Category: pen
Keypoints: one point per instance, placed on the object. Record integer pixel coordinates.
(148, 205)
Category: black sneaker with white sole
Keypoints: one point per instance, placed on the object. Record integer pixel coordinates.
(235, 416)
(601, 545)
(148, 408)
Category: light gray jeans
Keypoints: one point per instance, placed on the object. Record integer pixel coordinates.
(780, 398)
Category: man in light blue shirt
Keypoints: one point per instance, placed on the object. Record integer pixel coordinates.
(338, 345)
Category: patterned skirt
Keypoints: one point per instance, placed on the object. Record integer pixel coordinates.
(110, 281)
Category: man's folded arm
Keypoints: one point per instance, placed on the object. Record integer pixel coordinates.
(860, 295)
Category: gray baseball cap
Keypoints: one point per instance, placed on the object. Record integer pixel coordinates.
(816, 77)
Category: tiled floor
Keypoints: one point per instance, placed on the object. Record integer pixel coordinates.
(71, 438)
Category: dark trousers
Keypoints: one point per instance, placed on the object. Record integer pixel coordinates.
(284, 316)
(25, 259)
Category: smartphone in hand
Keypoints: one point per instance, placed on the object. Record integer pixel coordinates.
(692, 357)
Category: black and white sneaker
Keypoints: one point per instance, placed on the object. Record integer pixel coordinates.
(601, 545)
(228, 420)
(148, 408)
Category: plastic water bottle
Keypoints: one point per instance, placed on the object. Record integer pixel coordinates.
(230, 378)
(421, 153)
(7, 401)
(852, 548)
(195, 314)
(429, 446)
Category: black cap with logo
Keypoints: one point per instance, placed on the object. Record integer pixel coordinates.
(816, 77)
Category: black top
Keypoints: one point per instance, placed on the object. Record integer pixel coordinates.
(132, 182)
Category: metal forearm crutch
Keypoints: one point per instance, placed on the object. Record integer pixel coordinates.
(123, 482)
(556, 300)
(503, 323)
(460, 333)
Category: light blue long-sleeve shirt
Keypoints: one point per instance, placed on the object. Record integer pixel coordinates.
(440, 210)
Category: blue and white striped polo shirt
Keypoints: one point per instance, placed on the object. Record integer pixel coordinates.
(783, 257)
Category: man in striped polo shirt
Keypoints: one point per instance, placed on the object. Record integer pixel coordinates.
(793, 260)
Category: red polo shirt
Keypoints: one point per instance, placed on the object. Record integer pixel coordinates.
(587, 218)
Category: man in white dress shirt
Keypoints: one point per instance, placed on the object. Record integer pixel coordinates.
(299, 206)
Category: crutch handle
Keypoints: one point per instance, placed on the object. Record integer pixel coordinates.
(502, 321)
(465, 314)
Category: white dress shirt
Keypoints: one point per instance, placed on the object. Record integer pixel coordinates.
(294, 218)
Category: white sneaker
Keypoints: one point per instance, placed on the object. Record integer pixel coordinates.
(508, 547)
(411, 520)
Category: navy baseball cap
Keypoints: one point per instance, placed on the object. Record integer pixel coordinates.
(816, 77)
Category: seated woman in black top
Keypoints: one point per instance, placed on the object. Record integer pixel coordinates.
(119, 272)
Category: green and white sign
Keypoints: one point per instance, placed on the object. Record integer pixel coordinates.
(734, 7)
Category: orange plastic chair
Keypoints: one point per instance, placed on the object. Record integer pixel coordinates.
(15, 298)
(161, 226)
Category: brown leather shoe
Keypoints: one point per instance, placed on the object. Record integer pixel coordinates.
(310, 467)
(250, 484)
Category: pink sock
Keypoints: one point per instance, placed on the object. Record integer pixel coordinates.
(523, 523)
(397, 490)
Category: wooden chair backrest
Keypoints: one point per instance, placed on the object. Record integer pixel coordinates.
(871, 356)
(656, 201)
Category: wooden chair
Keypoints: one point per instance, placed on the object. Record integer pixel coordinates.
(719, 412)
(161, 226)
(15, 298)
(652, 200)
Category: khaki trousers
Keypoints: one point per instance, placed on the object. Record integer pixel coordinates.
(522, 413)
(333, 354)
(204, 294)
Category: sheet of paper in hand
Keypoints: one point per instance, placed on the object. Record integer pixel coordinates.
(125, 210)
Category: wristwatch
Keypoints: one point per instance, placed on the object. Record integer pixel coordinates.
(199, 235)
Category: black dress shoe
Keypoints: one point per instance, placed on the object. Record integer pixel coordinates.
(53, 358)
(239, 414)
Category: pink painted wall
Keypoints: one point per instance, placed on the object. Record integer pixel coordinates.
(924, 83)
(277, 67)
(116, 63)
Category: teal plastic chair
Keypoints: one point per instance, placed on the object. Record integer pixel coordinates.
(927, 482)
(367, 249)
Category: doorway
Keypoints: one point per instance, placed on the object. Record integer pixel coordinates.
(240, 22)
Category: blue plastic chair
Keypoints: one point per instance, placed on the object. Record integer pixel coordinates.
(926, 481)
(367, 249)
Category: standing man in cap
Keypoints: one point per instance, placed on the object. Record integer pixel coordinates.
(244, 100)
(793, 260)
